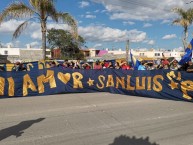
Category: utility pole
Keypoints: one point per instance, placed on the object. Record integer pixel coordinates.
(127, 51)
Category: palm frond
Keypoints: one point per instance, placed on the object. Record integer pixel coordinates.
(182, 22)
(50, 10)
(67, 18)
(19, 29)
(16, 10)
(34, 3)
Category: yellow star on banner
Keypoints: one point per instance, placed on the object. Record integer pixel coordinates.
(90, 82)
(173, 85)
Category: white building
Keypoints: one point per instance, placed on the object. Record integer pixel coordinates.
(23, 54)
(151, 53)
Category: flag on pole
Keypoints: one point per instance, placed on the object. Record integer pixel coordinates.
(188, 54)
(135, 63)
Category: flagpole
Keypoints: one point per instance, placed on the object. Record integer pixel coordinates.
(127, 51)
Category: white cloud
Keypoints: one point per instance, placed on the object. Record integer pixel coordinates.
(128, 23)
(97, 11)
(12, 44)
(79, 22)
(151, 42)
(8, 44)
(16, 43)
(9, 26)
(147, 25)
(170, 36)
(97, 45)
(141, 10)
(107, 34)
(34, 44)
(36, 33)
(84, 4)
(165, 21)
(90, 16)
(179, 49)
(104, 11)
(33, 29)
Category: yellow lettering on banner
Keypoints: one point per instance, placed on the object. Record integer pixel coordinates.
(129, 87)
(28, 84)
(110, 81)
(101, 79)
(11, 88)
(171, 75)
(28, 66)
(2, 86)
(121, 82)
(149, 83)
(77, 80)
(47, 65)
(186, 86)
(45, 79)
(9, 66)
(179, 76)
(142, 86)
(157, 86)
(65, 78)
(41, 64)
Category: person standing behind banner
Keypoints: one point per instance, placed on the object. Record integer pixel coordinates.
(110, 65)
(174, 65)
(77, 64)
(125, 66)
(97, 65)
(65, 64)
(142, 66)
(86, 66)
(190, 67)
(16, 66)
(150, 66)
(52, 64)
(117, 66)
(106, 64)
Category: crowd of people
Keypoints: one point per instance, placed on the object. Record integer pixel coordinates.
(98, 65)
(144, 65)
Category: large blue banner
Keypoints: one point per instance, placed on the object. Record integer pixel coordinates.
(162, 84)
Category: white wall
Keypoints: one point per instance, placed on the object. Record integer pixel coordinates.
(10, 51)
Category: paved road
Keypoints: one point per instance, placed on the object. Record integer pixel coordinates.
(95, 119)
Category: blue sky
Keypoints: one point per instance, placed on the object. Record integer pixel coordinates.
(110, 23)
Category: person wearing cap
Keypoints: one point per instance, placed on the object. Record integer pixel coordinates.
(174, 65)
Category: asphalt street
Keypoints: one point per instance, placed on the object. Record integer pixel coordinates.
(95, 119)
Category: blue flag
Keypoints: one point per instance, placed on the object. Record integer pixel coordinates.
(188, 54)
(135, 63)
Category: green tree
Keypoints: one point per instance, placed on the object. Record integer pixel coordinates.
(68, 45)
(185, 20)
(40, 10)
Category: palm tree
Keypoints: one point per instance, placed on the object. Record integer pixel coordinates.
(40, 10)
(185, 20)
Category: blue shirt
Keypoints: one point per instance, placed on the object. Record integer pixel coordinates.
(141, 67)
